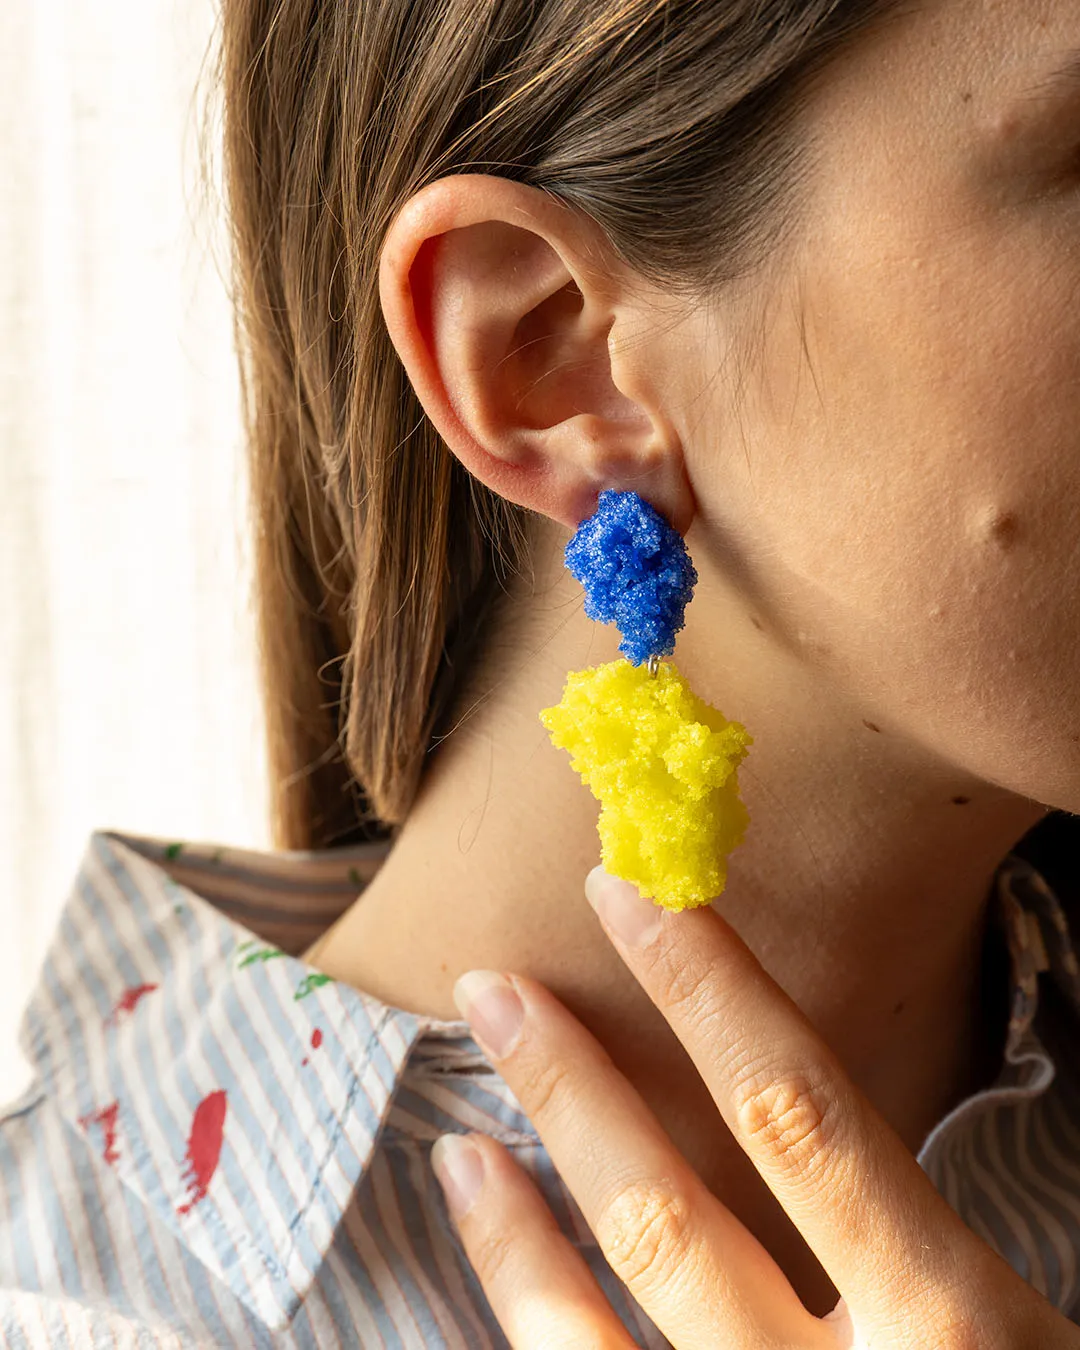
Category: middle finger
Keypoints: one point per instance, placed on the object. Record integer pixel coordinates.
(701, 1276)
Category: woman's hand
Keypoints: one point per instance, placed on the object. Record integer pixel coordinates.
(910, 1272)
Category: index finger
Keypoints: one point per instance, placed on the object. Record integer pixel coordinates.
(841, 1173)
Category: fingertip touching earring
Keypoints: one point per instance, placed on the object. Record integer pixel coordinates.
(662, 762)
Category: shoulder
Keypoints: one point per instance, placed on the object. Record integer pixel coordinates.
(29, 1320)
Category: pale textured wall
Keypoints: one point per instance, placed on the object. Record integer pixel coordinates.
(127, 686)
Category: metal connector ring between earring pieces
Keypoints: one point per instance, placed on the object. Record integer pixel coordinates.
(654, 665)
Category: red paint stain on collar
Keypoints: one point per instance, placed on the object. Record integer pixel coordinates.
(128, 999)
(204, 1146)
(106, 1118)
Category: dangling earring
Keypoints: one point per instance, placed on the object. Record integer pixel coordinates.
(661, 761)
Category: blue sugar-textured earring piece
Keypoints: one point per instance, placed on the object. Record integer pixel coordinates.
(636, 573)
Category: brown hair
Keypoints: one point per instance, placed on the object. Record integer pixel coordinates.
(379, 559)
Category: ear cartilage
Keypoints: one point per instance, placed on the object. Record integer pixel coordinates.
(661, 761)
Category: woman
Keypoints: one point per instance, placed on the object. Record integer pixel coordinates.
(804, 276)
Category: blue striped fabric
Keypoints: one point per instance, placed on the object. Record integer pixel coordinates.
(223, 1147)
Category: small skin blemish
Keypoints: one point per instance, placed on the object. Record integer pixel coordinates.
(997, 526)
(757, 623)
(872, 726)
(961, 801)
(1004, 125)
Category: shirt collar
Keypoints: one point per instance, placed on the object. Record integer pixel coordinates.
(1029, 914)
(240, 1094)
(237, 1092)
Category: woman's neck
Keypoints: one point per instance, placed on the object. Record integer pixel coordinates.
(862, 884)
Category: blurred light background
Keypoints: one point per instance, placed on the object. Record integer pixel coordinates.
(128, 697)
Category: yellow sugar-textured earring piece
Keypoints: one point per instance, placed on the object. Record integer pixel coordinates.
(662, 762)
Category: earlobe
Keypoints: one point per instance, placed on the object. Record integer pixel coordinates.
(493, 299)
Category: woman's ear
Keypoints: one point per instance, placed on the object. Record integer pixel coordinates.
(506, 309)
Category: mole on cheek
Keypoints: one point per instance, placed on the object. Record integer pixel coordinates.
(995, 526)
(1004, 528)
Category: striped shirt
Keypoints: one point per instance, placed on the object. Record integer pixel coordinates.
(222, 1146)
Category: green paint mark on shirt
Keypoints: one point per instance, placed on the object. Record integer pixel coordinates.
(172, 851)
(263, 954)
(310, 982)
(356, 878)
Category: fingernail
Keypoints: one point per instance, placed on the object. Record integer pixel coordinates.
(634, 920)
(460, 1169)
(490, 1005)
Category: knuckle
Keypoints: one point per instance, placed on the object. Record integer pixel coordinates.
(965, 1338)
(959, 1321)
(550, 1089)
(945, 1308)
(964, 1333)
(646, 1232)
(686, 991)
(789, 1121)
(491, 1255)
